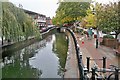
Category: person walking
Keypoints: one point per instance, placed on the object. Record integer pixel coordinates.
(90, 33)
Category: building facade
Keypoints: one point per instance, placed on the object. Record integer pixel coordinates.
(39, 19)
(48, 22)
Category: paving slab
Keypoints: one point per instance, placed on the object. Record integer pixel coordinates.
(88, 49)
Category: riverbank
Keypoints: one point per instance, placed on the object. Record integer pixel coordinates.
(71, 67)
(22, 44)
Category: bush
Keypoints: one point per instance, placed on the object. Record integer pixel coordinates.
(108, 36)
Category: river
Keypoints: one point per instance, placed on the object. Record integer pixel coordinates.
(42, 59)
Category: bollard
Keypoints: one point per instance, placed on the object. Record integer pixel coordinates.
(93, 74)
(88, 63)
(96, 42)
(104, 62)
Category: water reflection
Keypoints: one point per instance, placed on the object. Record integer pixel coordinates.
(39, 60)
(60, 49)
(17, 65)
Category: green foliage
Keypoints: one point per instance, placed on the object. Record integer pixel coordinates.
(68, 12)
(0, 18)
(16, 25)
(108, 17)
(60, 48)
(108, 36)
(90, 18)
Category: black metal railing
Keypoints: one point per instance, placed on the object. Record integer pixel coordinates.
(79, 56)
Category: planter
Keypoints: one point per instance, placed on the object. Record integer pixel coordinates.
(110, 42)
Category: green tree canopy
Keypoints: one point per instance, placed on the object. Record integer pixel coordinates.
(70, 12)
(90, 18)
(108, 17)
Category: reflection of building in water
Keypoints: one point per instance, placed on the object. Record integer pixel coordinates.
(20, 59)
(49, 38)
(17, 65)
(42, 44)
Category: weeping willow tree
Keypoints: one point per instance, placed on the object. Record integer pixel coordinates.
(0, 18)
(16, 25)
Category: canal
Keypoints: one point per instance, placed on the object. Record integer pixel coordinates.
(42, 59)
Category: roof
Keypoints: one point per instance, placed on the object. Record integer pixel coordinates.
(48, 18)
(33, 13)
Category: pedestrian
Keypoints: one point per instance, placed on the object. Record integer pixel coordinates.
(90, 33)
(87, 34)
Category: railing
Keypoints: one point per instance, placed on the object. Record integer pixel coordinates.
(102, 73)
(46, 30)
(79, 56)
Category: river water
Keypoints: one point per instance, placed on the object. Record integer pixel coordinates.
(42, 59)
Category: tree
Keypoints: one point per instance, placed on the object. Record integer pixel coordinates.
(83, 23)
(108, 17)
(16, 25)
(70, 12)
(89, 19)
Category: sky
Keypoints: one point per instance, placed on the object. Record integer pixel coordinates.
(45, 7)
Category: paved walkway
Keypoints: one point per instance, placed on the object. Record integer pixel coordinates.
(72, 70)
(87, 47)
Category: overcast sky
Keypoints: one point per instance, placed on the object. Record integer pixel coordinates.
(46, 7)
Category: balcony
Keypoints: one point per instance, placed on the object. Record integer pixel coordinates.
(40, 20)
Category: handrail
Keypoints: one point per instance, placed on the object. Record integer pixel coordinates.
(81, 72)
(47, 30)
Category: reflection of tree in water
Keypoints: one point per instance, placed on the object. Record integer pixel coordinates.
(17, 66)
(60, 47)
(49, 38)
